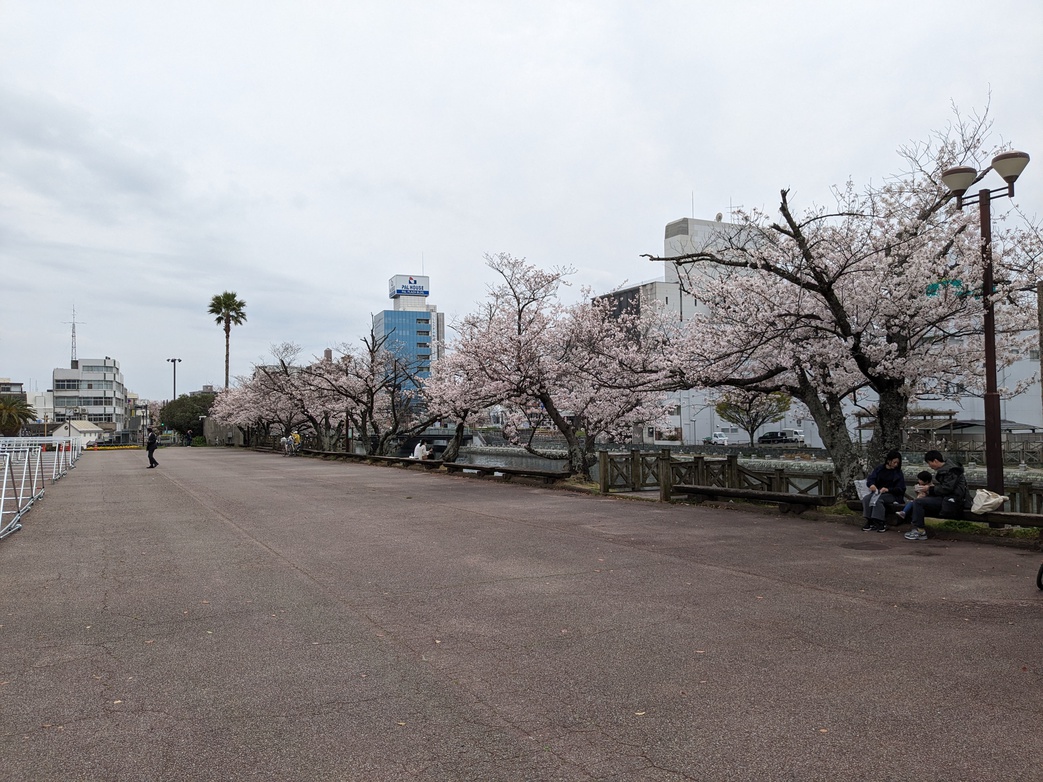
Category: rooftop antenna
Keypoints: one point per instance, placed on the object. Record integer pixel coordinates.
(731, 208)
(72, 364)
(421, 264)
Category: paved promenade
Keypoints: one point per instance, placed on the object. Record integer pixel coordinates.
(242, 616)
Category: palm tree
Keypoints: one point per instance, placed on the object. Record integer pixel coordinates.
(14, 412)
(229, 309)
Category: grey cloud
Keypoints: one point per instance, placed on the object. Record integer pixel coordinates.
(56, 151)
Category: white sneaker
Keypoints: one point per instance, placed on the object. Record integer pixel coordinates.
(900, 514)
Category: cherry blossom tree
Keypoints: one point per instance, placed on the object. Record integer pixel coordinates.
(286, 379)
(455, 394)
(880, 295)
(546, 363)
(377, 390)
(256, 408)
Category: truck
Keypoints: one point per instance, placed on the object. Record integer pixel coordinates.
(717, 438)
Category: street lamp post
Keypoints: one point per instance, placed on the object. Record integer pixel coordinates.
(174, 362)
(1008, 165)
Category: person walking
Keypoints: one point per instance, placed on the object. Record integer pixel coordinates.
(886, 486)
(945, 498)
(150, 446)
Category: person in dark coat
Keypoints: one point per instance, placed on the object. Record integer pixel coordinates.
(945, 499)
(886, 486)
(151, 446)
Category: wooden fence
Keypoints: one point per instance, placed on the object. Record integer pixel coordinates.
(637, 471)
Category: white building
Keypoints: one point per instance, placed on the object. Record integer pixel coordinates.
(91, 389)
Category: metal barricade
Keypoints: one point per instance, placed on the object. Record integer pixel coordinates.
(59, 453)
(21, 484)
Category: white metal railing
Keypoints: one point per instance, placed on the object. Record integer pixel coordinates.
(59, 454)
(21, 484)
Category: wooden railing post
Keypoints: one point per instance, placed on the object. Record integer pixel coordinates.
(1022, 499)
(635, 470)
(603, 469)
(666, 476)
(826, 484)
(699, 470)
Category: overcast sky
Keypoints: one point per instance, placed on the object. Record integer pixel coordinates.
(301, 153)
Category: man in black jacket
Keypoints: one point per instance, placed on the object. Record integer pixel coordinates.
(150, 446)
(945, 498)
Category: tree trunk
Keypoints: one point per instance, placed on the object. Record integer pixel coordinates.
(452, 451)
(578, 463)
(828, 413)
(892, 409)
(228, 346)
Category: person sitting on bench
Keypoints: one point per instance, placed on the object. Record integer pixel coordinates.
(944, 499)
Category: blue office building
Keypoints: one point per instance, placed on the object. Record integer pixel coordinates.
(415, 329)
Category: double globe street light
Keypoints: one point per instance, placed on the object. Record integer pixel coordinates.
(174, 362)
(1008, 165)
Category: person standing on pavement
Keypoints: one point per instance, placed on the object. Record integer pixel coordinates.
(944, 499)
(150, 446)
(886, 486)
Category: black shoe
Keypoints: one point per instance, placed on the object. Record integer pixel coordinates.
(881, 528)
(150, 466)
(867, 527)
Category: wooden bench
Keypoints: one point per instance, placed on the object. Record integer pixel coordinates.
(335, 455)
(995, 518)
(787, 502)
(483, 470)
(404, 461)
(396, 461)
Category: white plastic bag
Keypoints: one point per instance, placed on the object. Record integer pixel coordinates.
(861, 488)
(985, 500)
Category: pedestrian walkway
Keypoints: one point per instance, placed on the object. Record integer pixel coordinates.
(240, 616)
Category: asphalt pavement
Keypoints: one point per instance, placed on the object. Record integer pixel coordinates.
(235, 615)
